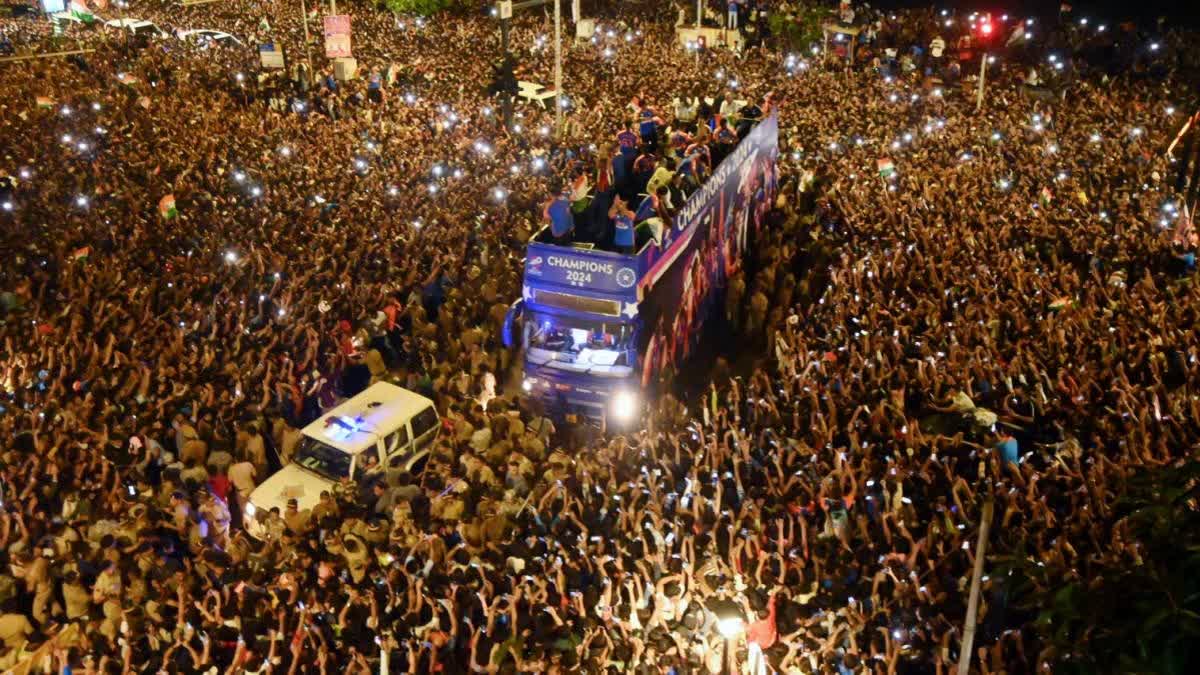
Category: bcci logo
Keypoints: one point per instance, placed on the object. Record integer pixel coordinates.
(534, 266)
(626, 277)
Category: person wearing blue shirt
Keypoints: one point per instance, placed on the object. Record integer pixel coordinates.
(622, 219)
(628, 142)
(648, 123)
(734, 8)
(558, 212)
(648, 208)
(1008, 449)
(694, 168)
(620, 169)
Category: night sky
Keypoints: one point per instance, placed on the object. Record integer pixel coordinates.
(1145, 11)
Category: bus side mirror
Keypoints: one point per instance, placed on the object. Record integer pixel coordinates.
(514, 313)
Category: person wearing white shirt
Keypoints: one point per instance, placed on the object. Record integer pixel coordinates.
(729, 108)
(937, 47)
(686, 108)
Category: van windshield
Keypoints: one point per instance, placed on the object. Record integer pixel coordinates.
(322, 459)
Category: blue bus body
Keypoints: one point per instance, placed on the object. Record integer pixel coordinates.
(601, 326)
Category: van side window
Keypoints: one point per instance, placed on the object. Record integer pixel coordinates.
(397, 440)
(424, 421)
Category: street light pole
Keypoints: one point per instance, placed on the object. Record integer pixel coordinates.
(982, 77)
(698, 13)
(507, 100)
(307, 42)
(968, 639)
(557, 68)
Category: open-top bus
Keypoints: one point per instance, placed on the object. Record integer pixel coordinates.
(600, 326)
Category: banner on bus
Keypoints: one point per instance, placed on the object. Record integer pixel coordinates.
(685, 276)
(337, 36)
(596, 271)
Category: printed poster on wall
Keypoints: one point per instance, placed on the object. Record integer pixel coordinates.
(337, 36)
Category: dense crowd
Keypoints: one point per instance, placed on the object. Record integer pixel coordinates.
(947, 308)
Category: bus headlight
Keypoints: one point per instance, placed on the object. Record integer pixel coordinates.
(624, 406)
(250, 509)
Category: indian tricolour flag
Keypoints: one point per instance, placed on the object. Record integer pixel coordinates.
(45, 102)
(80, 11)
(579, 192)
(166, 207)
(886, 167)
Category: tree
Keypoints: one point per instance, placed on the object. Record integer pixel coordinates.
(418, 7)
(801, 27)
(1136, 613)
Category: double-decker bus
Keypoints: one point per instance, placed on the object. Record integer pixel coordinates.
(599, 326)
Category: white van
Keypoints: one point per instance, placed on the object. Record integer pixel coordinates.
(394, 423)
(136, 27)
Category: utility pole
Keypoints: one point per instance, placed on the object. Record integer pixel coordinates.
(504, 10)
(557, 68)
(964, 654)
(333, 7)
(307, 43)
(507, 101)
(982, 75)
(698, 13)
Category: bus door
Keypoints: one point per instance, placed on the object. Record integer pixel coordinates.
(510, 320)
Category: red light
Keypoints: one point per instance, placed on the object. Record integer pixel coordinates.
(985, 28)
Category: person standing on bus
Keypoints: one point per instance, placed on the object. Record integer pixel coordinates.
(648, 124)
(620, 167)
(558, 212)
(700, 147)
(680, 137)
(654, 205)
(622, 219)
(628, 142)
(661, 176)
(686, 109)
(693, 171)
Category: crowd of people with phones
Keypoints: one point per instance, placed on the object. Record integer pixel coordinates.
(954, 304)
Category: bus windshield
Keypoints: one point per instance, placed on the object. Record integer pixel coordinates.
(322, 459)
(581, 345)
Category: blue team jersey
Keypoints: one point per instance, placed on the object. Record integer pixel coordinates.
(647, 209)
(624, 230)
(561, 219)
(647, 127)
(619, 168)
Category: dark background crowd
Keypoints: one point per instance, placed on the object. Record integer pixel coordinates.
(1007, 314)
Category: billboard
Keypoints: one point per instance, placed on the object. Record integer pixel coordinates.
(337, 36)
(683, 279)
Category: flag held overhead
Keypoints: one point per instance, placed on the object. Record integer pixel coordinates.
(166, 207)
